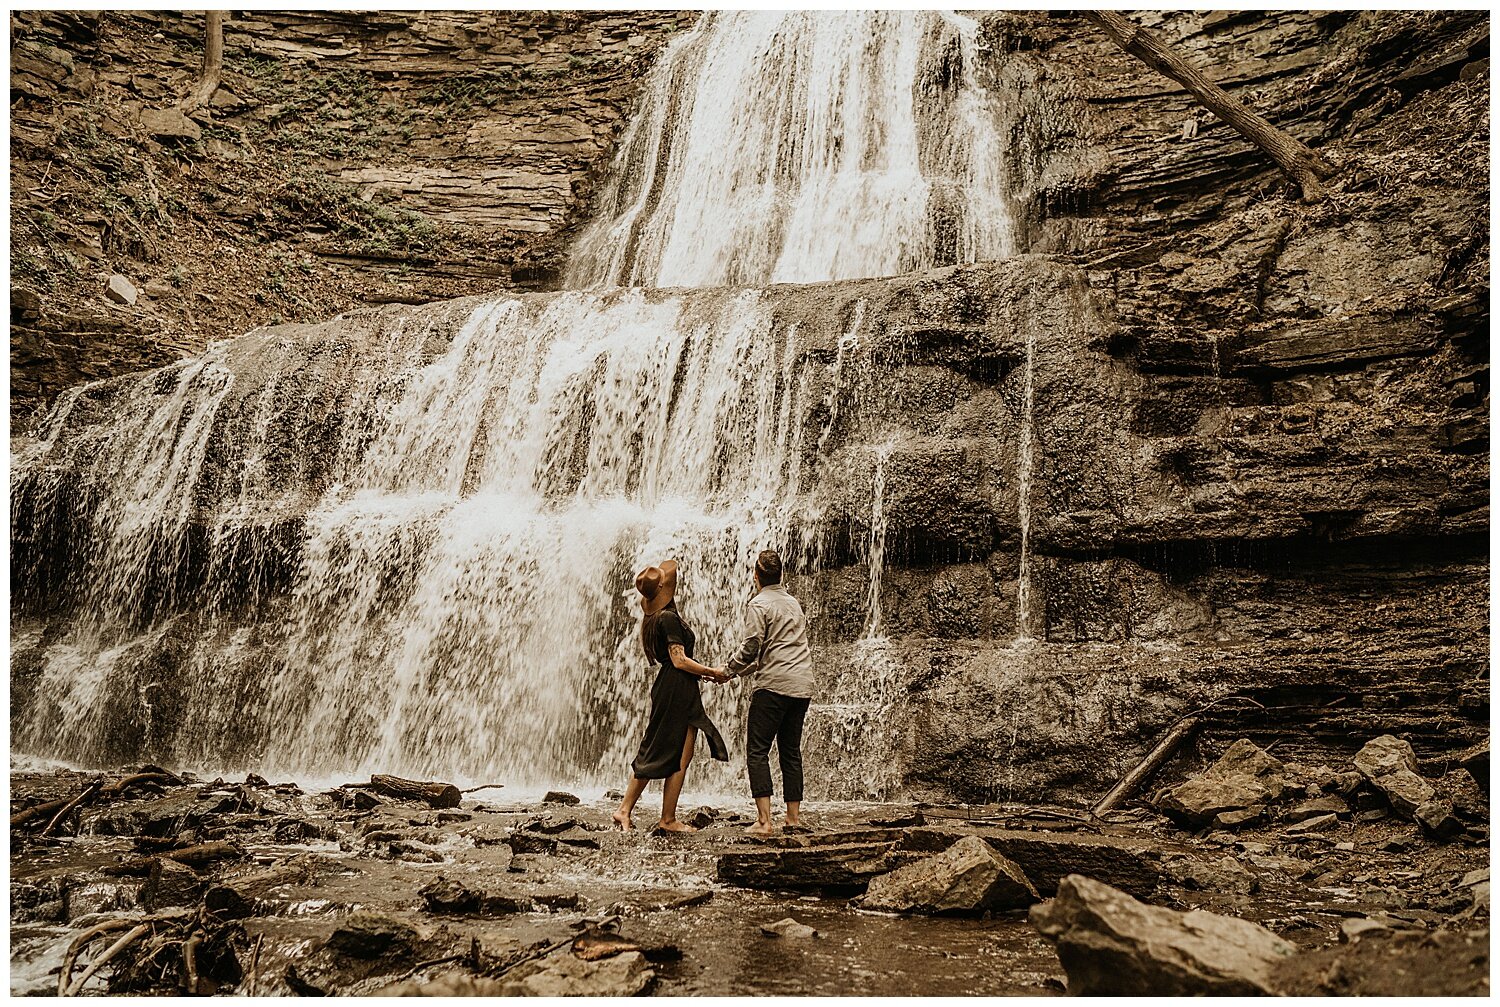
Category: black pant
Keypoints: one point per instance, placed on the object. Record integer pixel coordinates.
(774, 717)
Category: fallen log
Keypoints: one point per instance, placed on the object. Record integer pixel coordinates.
(435, 795)
(1153, 761)
(193, 856)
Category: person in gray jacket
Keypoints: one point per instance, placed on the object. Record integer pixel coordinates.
(776, 650)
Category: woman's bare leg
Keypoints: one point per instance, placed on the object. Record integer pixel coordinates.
(673, 789)
(633, 791)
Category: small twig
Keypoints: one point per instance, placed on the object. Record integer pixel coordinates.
(533, 956)
(104, 959)
(487, 786)
(434, 961)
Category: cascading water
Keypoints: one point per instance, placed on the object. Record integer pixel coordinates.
(798, 147)
(410, 549)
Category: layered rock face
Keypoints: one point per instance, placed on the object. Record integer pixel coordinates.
(348, 158)
(1206, 445)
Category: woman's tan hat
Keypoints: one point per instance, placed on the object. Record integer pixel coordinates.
(657, 585)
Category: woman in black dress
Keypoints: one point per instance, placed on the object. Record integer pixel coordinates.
(676, 707)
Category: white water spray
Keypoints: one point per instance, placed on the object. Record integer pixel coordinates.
(794, 147)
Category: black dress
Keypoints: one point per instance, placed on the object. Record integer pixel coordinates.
(676, 706)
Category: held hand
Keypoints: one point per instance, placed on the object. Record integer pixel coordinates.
(717, 675)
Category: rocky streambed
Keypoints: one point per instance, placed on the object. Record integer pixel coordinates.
(1303, 879)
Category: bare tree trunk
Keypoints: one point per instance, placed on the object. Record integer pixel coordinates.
(1300, 162)
(213, 61)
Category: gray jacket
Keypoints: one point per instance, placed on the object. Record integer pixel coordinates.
(775, 645)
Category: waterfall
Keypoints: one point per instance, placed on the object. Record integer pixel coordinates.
(461, 599)
(404, 541)
(1023, 490)
(805, 146)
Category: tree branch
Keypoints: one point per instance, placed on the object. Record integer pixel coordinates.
(1303, 165)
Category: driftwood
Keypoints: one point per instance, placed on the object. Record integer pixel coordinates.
(434, 795)
(157, 777)
(87, 795)
(1296, 159)
(1131, 781)
(104, 959)
(193, 856)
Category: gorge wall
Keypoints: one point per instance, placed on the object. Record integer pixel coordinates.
(1203, 444)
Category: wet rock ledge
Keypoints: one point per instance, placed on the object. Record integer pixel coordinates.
(1255, 876)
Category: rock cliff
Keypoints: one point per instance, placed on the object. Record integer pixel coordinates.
(1205, 445)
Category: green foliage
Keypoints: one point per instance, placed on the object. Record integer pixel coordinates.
(369, 228)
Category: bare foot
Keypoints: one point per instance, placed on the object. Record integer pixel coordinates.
(675, 826)
(762, 829)
(622, 819)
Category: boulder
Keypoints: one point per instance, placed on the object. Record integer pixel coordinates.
(564, 974)
(1245, 775)
(559, 797)
(968, 877)
(1112, 945)
(1391, 766)
(120, 290)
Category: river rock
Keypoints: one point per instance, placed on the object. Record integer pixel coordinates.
(1244, 776)
(1308, 826)
(968, 877)
(1112, 945)
(458, 899)
(170, 884)
(1317, 807)
(1223, 875)
(788, 928)
(846, 866)
(1438, 820)
(1045, 858)
(1390, 764)
(449, 984)
(1236, 819)
(563, 974)
(560, 797)
(370, 935)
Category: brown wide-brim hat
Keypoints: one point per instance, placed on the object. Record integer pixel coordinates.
(657, 585)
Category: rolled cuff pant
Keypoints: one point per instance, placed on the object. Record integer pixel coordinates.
(778, 718)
